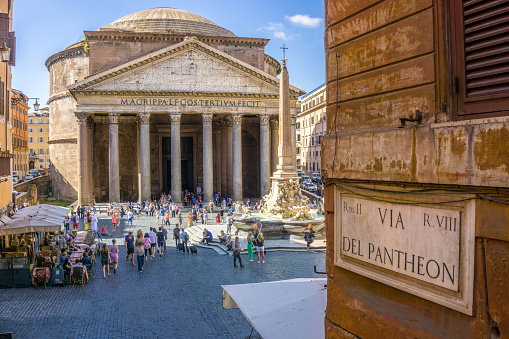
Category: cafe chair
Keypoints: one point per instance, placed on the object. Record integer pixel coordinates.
(14, 244)
(40, 275)
(77, 277)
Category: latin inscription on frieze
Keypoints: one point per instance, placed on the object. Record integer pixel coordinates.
(180, 102)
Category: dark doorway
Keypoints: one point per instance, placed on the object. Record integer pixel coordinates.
(250, 166)
(186, 169)
(186, 157)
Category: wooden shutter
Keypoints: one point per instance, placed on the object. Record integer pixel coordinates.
(480, 57)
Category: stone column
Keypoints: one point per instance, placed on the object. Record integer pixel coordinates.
(224, 183)
(82, 158)
(90, 162)
(264, 154)
(176, 177)
(208, 161)
(293, 118)
(274, 141)
(217, 157)
(114, 169)
(237, 156)
(229, 156)
(144, 152)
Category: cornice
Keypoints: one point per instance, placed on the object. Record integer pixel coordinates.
(271, 61)
(134, 93)
(134, 36)
(68, 53)
(63, 141)
(61, 95)
(168, 51)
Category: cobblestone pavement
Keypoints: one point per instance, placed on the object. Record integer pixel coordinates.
(176, 296)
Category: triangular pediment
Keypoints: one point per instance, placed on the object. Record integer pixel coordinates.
(190, 66)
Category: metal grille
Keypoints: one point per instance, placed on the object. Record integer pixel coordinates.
(486, 26)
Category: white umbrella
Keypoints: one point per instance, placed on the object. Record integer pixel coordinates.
(32, 224)
(43, 210)
(281, 309)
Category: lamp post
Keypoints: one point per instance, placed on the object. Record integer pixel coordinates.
(25, 99)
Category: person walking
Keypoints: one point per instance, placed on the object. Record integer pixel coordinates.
(176, 235)
(205, 216)
(184, 237)
(114, 220)
(260, 249)
(105, 260)
(180, 217)
(130, 217)
(228, 224)
(165, 232)
(147, 245)
(67, 222)
(114, 255)
(309, 234)
(129, 245)
(236, 253)
(250, 246)
(140, 256)
(167, 218)
(153, 242)
(160, 241)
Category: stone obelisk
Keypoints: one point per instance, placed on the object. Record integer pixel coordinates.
(285, 198)
(284, 168)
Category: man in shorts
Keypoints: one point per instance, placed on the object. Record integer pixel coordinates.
(153, 240)
(160, 241)
(130, 217)
(129, 246)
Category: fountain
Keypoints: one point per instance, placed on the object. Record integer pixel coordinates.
(285, 208)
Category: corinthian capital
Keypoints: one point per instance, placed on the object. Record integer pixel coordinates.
(113, 118)
(236, 119)
(274, 123)
(144, 118)
(175, 118)
(207, 118)
(264, 120)
(81, 117)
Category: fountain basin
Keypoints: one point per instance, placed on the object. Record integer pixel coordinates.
(278, 225)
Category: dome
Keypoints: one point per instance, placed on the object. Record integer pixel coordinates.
(167, 20)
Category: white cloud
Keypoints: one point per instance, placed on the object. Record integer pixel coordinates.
(278, 31)
(273, 26)
(304, 20)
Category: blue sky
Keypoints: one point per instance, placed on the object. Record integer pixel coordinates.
(44, 27)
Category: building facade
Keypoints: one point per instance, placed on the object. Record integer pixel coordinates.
(312, 127)
(38, 138)
(415, 168)
(163, 100)
(6, 149)
(19, 109)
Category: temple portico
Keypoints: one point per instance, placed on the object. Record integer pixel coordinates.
(151, 109)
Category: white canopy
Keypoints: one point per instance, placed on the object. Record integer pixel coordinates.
(42, 210)
(39, 218)
(281, 309)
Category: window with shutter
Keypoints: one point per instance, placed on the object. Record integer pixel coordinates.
(480, 57)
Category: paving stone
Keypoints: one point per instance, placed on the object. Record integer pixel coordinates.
(176, 296)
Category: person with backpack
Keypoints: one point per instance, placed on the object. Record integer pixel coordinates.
(184, 237)
(153, 242)
(147, 246)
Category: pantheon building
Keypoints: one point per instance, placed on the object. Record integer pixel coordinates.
(163, 100)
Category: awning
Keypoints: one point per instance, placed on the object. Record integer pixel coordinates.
(42, 210)
(281, 309)
(39, 218)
